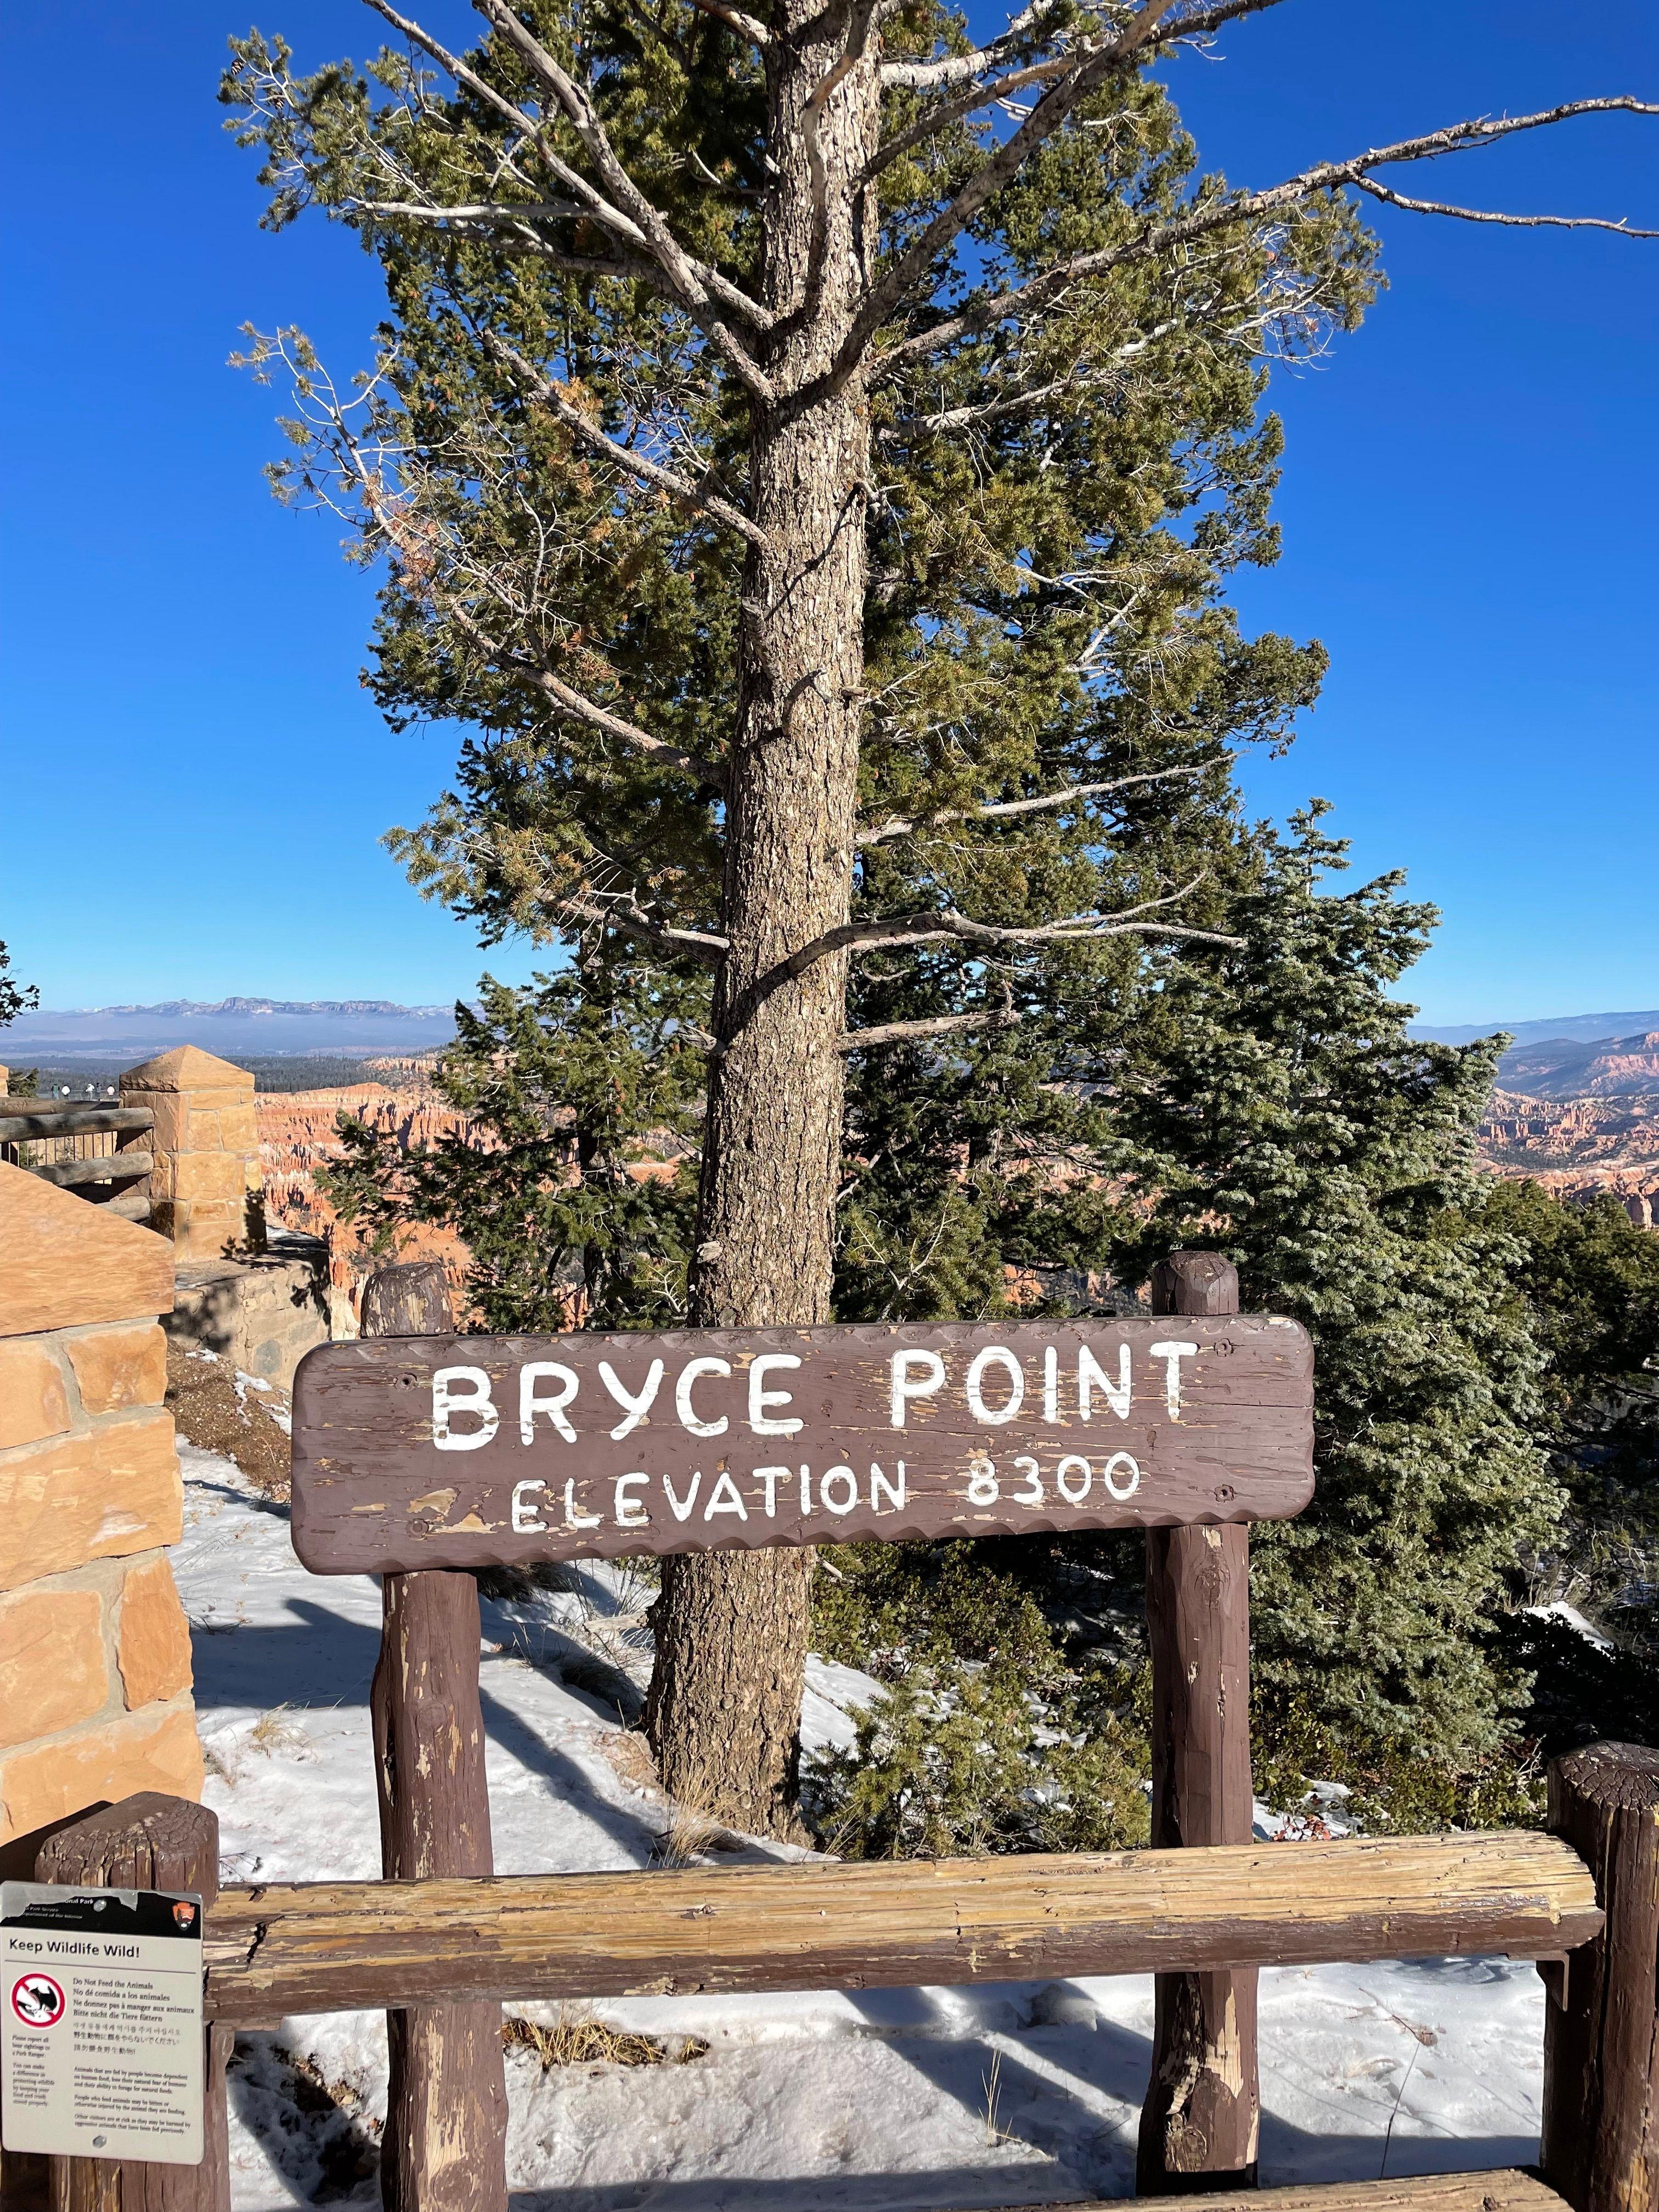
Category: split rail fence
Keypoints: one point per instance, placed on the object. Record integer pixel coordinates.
(101, 1152)
(441, 1941)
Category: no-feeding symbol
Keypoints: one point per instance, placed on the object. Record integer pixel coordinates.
(37, 2000)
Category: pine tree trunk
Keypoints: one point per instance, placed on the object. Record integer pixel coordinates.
(725, 1708)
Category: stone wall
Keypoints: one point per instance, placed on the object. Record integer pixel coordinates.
(95, 1649)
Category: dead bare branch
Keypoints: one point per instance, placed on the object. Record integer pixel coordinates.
(557, 396)
(881, 1033)
(1182, 230)
(695, 285)
(523, 669)
(881, 833)
(620, 910)
(1622, 227)
(950, 927)
(1089, 69)
(689, 276)
(748, 26)
(957, 68)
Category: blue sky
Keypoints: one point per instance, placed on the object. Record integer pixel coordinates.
(194, 783)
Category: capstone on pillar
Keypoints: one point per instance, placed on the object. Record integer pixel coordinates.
(204, 1188)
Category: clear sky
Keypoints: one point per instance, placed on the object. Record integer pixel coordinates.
(194, 783)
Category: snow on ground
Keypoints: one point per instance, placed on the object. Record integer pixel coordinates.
(1003, 2094)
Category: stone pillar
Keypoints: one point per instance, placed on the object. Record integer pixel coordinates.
(206, 1147)
(94, 1648)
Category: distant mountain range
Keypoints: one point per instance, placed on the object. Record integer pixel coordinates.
(1568, 1067)
(264, 1027)
(1586, 1028)
(1548, 1059)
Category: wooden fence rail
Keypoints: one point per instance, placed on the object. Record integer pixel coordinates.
(99, 1151)
(322, 1947)
(1588, 1914)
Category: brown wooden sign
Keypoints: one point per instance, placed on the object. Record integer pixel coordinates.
(467, 1451)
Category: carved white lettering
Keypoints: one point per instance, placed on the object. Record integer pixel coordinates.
(760, 1397)
(531, 1401)
(629, 1512)
(639, 1407)
(994, 1355)
(1091, 1376)
(683, 1405)
(448, 1397)
(526, 1511)
(914, 1375)
(723, 1498)
(683, 1512)
(895, 1490)
(846, 1489)
(1172, 1354)
(1122, 1460)
(771, 1476)
(1075, 1466)
(572, 1518)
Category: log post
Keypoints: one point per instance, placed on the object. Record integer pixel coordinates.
(1601, 2148)
(445, 2145)
(147, 1842)
(1201, 2118)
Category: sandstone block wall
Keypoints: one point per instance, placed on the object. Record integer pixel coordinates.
(94, 1648)
(206, 1147)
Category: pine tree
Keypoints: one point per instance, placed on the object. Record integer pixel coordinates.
(1590, 1278)
(579, 1093)
(15, 998)
(1284, 1115)
(814, 494)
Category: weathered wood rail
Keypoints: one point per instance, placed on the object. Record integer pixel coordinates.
(1583, 1901)
(65, 1145)
(323, 1947)
(441, 1940)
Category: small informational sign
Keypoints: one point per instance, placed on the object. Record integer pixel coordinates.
(467, 1451)
(101, 2022)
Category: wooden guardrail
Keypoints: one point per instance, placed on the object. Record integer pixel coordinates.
(1583, 1900)
(65, 1145)
(328, 1947)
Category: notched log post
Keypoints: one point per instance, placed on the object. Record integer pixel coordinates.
(1601, 2147)
(1202, 2114)
(147, 1842)
(444, 2146)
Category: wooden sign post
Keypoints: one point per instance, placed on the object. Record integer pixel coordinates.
(413, 1452)
(444, 2149)
(417, 1453)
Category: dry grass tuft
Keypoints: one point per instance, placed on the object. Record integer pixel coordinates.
(579, 2038)
(274, 1731)
(689, 1837)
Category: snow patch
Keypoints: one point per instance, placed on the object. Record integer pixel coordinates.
(876, 2098)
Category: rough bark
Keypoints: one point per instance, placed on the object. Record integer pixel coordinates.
(445, 2145)
(1600, 2136)
(1200, 2123)
(724, 1714)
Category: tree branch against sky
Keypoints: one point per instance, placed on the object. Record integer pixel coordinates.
(793, 421)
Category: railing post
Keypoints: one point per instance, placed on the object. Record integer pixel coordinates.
(147, 1842)
(1202, 2115)
(1601, 2148)
(445, 2145)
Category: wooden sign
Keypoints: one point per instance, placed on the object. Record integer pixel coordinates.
(468, 1451)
